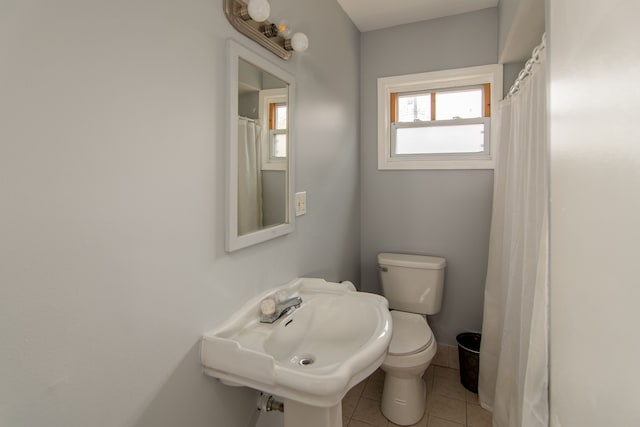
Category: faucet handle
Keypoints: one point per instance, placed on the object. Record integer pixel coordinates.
(280, 296)
(268, 306)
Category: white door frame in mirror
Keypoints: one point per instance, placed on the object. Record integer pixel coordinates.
(234, 240)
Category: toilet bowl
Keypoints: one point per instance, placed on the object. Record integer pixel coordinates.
(410, 353)
(413, 285)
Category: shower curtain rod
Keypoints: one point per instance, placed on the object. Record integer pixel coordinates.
(526, 71)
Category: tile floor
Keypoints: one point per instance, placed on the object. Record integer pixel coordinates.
(448, 404)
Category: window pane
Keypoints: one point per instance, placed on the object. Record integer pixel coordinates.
(281, 116)
(440, 139)
(464, 104)
(414, 107)
(279, 145)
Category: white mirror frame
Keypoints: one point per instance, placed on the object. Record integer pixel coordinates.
(233, 240)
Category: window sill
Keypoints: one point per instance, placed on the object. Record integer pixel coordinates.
(434, 163)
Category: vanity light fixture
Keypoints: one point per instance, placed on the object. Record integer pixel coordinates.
(251, 18)
(299, 42)
(269, 30)
(284, 30)
(259, 10)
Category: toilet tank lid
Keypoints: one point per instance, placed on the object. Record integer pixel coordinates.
(412, 261)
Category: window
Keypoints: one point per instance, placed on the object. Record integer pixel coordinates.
(439, 120)
(274, 111)
(277, 131)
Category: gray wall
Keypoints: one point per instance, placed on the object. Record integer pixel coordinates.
(510, 74)
(595, 177)
(521, 25)
(112, 261)
(507, 11)
(248, 105)
(274, 189)
(444, 213)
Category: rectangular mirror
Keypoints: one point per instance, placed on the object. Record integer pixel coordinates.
(259, 149)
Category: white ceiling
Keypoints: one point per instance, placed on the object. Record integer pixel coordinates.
(375, 14)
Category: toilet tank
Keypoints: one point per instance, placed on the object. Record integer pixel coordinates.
(412, 283)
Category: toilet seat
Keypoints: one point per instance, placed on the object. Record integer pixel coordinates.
(411, 334)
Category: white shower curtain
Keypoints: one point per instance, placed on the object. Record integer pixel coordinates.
(513, 378)
(249, 177)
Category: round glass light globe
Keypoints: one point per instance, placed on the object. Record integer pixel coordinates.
(300, 42)
(259, 10)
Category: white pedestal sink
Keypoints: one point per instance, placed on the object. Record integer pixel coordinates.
(299, 414)
(311, 356)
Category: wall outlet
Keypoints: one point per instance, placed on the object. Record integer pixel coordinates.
(301, 203)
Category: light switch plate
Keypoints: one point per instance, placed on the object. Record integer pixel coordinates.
(301, 203)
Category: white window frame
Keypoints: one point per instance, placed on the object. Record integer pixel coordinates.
(447, 79)
(272, 134)
(266, 97)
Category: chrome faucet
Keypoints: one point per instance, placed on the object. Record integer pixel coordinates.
(282, 308)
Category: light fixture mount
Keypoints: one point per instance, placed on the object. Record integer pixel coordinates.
(269, 35)
(233, 9)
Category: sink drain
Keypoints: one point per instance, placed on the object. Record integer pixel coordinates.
(305, 361)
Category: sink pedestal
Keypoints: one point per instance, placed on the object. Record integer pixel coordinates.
(298, 414)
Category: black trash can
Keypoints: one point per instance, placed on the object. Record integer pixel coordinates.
(469, 357)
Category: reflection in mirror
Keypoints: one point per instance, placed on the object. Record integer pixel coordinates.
(259, 197)
(262, 149)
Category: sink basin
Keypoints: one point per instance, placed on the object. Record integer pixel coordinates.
(314, 354)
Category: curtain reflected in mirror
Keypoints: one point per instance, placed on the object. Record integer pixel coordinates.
(249, 180)
(263, 123)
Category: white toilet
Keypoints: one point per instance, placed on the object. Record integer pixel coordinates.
(413, 285)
